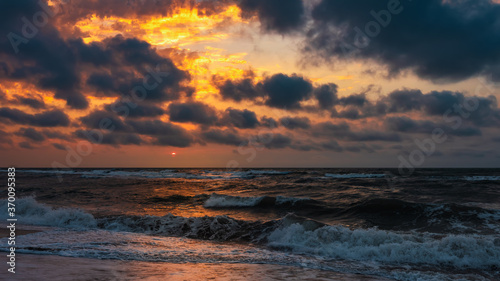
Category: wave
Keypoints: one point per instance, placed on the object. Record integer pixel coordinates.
(390, 247)
(102, 244)
(388, 214)
(354, 176)
(29, 211)
(290, 234)
(439, 218)
(228, 201)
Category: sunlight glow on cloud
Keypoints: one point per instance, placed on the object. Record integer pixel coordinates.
(184, 27)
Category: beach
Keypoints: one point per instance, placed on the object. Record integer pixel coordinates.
(47, 267)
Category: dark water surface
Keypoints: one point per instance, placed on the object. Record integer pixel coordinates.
(441, 224)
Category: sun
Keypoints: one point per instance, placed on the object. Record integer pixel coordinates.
(173, 154)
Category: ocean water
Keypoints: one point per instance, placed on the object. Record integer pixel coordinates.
(437, 224)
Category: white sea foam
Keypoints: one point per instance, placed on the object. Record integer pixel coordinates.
(471, 251)
(297, 236)
(29, 211)
(104, 244)
(353, 175)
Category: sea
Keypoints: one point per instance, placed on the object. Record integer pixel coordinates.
(435, 224)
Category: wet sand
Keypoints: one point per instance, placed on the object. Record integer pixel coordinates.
(52, 267)
(48, 267)
(5, 232)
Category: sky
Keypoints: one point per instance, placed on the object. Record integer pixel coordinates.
(249, 83)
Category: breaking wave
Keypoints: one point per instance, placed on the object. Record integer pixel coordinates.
(289, 234)
(339, 242)
(29, 211)
(228, 201)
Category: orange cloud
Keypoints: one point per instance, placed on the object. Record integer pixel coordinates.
(184, 27)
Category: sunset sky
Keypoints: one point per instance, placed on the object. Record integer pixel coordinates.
(242, 83)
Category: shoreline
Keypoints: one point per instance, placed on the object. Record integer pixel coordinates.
(53, 267)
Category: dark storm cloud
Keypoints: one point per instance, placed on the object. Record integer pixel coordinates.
(104, 82)
(59, 146)
(29, 100)
(194, 112)
(166, 134)
(239, 90)
(35, 103)
(355, 99)
(295, 122)
(228, 137)
(280, 16)
(52, 63)
(231, 137)
(243, 119)
(173, 140)
(285, 91)
(349, 113)
(52, 118)
(332, 145)
(134, 110)
(26, 145)
(288, 92)
(99, 119)
(438, 40)
(113, 138)
(31, 134)
(483, 111)
(370, 135)
(45, 60)
(278, 141)
(280, 90)
(407, 125)
(268, 122)
(343, 131)
(326, 95)
(159, 78)
(55, 135)
(403, 101)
